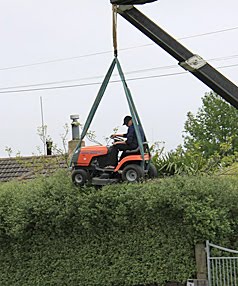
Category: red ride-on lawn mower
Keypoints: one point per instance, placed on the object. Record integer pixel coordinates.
(88, 163)
(89, 167)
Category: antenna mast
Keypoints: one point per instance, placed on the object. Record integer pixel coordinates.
(43, 125)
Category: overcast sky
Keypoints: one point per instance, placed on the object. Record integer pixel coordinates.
(34, 31)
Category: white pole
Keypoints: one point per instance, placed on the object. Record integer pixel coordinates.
(43, 125)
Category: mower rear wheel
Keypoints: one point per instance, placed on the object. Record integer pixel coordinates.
(79, 177)
(132, 173)
(152, 172)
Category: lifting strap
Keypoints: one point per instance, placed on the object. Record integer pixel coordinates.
(134, 114)
(114, 28)
(135, 117)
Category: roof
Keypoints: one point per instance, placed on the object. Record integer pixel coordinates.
(23, 168)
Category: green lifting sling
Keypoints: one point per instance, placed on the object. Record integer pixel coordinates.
(133, 111)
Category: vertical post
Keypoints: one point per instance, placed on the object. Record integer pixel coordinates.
(200, 256)
(208, 263)
(43, 125)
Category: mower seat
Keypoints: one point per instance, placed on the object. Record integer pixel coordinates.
(137, 150)
(133, 151)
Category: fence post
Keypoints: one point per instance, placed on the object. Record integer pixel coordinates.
(201, 261)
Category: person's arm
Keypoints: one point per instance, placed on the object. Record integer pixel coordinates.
(119, 142)
(130, 135)
(118, 135)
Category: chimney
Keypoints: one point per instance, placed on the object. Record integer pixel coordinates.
(75, 134)
(75, 127)
(49, 145)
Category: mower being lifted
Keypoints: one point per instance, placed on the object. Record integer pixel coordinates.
(88, 163)
(89, 168)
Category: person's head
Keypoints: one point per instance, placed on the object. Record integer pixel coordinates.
(127, 121)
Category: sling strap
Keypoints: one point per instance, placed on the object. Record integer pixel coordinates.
(134, 114)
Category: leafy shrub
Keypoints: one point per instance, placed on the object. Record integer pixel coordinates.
(181, 162)
(52, 233)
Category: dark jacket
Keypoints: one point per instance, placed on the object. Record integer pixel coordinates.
(131, 140)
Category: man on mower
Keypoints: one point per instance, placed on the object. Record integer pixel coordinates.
(131, 142)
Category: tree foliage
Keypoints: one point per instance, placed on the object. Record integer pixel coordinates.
(210, 140)
(214, 129)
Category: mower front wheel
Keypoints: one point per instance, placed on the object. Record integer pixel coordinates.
(132, 173)
(79, 177)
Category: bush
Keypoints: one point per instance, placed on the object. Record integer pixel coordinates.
(52, 233)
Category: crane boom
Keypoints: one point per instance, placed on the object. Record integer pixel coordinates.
(189, 61)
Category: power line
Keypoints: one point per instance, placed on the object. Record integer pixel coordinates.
(210, 33)
(54, 61)
(107, 52)
(224, 58)
(228, 66)
(86, 84)
(97, 77)
(50, 83)
(99, 83)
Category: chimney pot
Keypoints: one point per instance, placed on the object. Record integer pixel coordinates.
(75, 135)
(75, 127)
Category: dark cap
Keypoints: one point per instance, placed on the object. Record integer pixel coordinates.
(127, 119)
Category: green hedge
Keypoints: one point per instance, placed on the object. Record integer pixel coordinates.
(52, 233)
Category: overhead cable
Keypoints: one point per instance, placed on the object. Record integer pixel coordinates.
(99, 83)
(101, 76)
(107, 52)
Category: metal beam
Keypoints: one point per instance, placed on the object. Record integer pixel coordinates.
(189, 61)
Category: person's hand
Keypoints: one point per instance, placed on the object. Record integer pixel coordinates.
(113, 136)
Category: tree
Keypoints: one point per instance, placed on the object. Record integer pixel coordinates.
(214, 129)
(210, 141)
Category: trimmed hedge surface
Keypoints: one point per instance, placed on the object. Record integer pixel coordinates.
(52, 233)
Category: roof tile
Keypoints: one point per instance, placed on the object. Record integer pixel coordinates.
(28, 167)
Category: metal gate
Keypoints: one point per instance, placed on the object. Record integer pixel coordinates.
(222, 270)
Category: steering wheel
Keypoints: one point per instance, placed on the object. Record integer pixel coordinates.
(117, 139)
